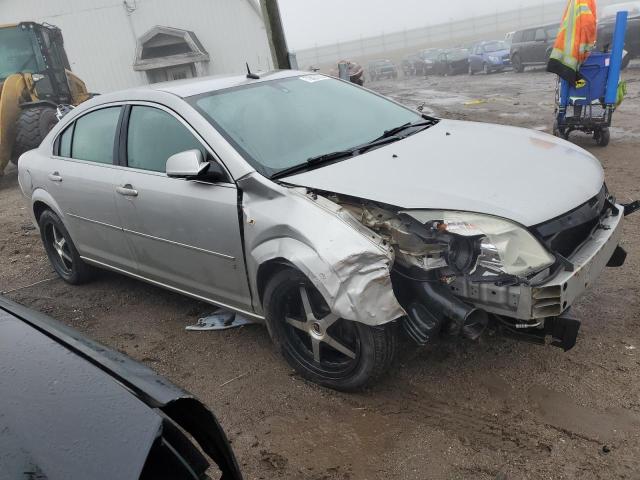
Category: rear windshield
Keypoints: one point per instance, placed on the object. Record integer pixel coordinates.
(457, 55)
(282, 123)
(17, 53)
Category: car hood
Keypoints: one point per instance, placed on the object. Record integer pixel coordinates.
(520, 174)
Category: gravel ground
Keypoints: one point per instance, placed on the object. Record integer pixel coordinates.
(455, 410)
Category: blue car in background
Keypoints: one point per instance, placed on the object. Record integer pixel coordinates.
(487, 57)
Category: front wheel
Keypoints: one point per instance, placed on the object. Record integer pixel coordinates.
(516, 63)
(320, 346)
(32, 126)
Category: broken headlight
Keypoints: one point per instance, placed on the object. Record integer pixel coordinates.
(498, 246)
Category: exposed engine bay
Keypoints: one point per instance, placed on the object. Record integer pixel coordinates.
(457, 272)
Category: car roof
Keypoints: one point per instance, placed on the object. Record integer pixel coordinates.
(196, 86)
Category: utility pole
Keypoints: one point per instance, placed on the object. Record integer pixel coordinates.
(275, 33)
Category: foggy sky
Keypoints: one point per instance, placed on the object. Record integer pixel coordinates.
(321, 22)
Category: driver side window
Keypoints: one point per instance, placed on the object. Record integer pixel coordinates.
(154, 136)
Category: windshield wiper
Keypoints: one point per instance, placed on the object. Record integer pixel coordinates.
(389, 136)
(396, 130)
(314, 161)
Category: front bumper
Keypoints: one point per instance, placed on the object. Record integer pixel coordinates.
(557, 294)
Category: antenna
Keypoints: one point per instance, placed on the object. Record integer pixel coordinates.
(250, 75)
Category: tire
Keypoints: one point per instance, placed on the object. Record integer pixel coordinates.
(517, 65)
(62, 253)
(365, 353)
(32, 126)
(471, 72)
(602, 137)
(486, 69)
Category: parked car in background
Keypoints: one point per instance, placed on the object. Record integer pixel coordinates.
(300, 200)
(72, 409)
(410, 64)
(489, 57)
(533, 46)
(508, 38)
(427, 61)
(606, 26)
(382, 69)
(452, 62)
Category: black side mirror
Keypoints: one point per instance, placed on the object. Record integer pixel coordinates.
(214, 173)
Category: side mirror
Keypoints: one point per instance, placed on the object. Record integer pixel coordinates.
(191, 165)
(186, 164)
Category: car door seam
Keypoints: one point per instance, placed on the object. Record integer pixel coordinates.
(133, 232)
(183, 245)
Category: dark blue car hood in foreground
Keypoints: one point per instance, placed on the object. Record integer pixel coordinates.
(73, 409)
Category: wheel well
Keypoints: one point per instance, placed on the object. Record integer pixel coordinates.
(267, 270)
(39, 208)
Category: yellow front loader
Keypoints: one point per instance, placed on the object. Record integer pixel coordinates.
(36, 86)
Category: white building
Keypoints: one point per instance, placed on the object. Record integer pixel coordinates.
(115, 44)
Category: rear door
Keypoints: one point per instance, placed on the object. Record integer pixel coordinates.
(82, 178)
(186, 234)
(527, 50)
(475, 59)
(539, 46)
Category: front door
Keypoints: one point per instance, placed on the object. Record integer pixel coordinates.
(186, 234)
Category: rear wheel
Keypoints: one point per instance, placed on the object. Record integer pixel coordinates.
(32, 126)
(320, 346)
(602, 137)
(62, 253)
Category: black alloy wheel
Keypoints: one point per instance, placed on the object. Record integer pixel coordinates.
(328, 350)
(62, 253)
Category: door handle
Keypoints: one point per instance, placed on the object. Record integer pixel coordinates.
(127, 190)
(55, 177)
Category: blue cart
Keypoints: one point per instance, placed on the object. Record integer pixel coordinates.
(588, 105)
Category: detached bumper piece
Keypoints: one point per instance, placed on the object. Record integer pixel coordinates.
(562, 332)
(630, 208)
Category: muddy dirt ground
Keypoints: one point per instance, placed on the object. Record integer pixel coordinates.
(456, 410)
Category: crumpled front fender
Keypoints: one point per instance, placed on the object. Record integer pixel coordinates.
(347, 263)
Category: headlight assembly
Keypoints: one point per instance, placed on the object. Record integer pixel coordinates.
(482, 243)
(495, 60)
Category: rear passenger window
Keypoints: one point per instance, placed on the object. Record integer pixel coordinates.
(94, 135)
(65, 142)
(528, 35)
(154, 136)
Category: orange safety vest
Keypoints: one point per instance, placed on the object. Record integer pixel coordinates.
(576, 39)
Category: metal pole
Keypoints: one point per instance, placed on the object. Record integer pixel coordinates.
(615, 64)
(275, 33)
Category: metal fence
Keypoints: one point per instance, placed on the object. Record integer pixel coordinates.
(459, 32)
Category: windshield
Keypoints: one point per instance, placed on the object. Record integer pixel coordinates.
(16, 52)
(494, 47)
(282, 123)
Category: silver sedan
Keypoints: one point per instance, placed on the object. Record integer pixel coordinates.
(335, 215)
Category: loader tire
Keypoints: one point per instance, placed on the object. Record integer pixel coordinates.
(32, 126)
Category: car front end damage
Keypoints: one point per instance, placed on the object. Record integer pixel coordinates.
(458, 272)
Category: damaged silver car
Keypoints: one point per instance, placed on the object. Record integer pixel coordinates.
(335, 215)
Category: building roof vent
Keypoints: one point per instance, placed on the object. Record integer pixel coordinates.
(163, 47)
